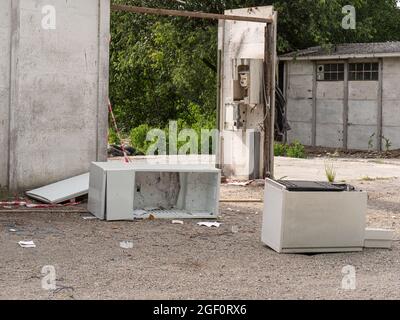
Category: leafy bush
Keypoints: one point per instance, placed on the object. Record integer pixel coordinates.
(138, 137)
(113, 137)
(280, 149)
(296, 150)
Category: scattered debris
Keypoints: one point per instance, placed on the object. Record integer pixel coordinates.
(46, 206)
(61, 288)
(126, 244)
(12, 204)
(235, 229)
(27, 244)
(177, 222)
(209, 224)
(241, 200)
(12, 230)
(89, 218)
(139, 212)
(240, 183)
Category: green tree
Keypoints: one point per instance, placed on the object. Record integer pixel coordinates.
(163, 68)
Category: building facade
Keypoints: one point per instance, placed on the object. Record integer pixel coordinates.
(345, 97)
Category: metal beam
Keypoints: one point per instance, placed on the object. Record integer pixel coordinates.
(189, 14)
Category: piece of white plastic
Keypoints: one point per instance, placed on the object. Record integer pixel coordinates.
(126, 244)
(27, 244)
(209, 224)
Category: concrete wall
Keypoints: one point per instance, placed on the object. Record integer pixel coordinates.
(391, 101)
(57, 122)
(5, 32)
(363, 115)
(329, 113)
(300, 100)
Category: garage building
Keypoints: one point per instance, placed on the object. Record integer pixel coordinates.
(346, 96)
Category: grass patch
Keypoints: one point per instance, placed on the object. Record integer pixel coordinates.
(330, 172)
(294, 150)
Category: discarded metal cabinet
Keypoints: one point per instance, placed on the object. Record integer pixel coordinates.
(124, 191)
(313, 217)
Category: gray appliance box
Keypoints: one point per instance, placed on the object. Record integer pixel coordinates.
(125, 191)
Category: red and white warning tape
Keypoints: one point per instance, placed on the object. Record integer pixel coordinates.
(36, 206)
(117, 131)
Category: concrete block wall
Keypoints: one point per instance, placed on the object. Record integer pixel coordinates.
(329, 113)
(391, 101)
(55, 120)
(363, 114)
(299, 92)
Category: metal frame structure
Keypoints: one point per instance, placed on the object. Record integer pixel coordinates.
(269, 67)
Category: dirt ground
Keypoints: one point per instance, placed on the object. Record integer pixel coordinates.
(187, 261)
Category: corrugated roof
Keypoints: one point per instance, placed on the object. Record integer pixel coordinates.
(376, 49)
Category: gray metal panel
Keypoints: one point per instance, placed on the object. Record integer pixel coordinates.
(97, 191)
(134, 191)
(62, 191)
(120, 190)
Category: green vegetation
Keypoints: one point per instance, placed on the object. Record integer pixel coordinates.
(330, 172)
(164, 68)
(294, 150)
(387, 143)
(113, 137)
(280, 149)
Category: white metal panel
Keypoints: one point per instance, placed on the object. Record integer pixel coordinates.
(271, 232)
(62, 191)
(324, 220)
(97, 191)
(313, 221)
(119, 197)
(165, 191)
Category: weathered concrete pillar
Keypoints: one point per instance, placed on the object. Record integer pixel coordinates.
(5, 32)
(53, 89)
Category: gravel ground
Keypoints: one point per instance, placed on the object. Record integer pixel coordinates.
(187, 261)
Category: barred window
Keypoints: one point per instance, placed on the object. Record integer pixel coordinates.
(364, 71)
(330, 72)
